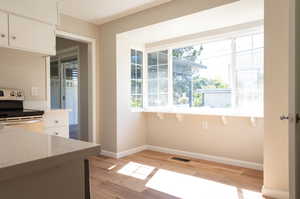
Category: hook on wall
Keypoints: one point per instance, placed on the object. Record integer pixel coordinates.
(179, 117)
(224, 120)
(160, 116)
(253, 121)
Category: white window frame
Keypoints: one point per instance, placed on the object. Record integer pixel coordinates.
(138, 109)
(170, 108)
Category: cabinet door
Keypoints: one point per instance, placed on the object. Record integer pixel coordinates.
(41, 10)
(30, 35)
(3, 29)
(58, 131)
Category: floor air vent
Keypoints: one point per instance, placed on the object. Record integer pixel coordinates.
(180, 159)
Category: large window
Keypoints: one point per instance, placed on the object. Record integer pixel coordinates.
(201, 75)
(249, 57)
(223, 73)
(136, 79)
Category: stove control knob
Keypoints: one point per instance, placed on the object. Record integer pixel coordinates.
(12, 94)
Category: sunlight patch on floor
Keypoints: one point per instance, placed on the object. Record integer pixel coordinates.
(247, 194)
(136, 170)
(191, 187)
(112, 167)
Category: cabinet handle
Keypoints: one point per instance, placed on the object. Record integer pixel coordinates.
(3, 35)
(56, 121)
(55, 133)
(14, 37)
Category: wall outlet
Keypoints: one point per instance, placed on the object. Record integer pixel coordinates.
(34, 91)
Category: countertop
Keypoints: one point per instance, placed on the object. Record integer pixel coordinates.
(58, 110)
(23, 152)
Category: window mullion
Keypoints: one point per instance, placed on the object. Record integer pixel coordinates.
(145, 80)
(170, 78)
(158, 80)
(234, 74)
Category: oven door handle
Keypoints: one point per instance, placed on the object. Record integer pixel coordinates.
(13, 123)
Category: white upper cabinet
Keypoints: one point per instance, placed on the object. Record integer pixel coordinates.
(3, 29)
(31, 35)
(41, 10)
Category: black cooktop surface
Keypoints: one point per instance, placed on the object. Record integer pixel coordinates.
(20, 113)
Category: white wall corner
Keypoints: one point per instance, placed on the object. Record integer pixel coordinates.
(131, 151)
(275, 193)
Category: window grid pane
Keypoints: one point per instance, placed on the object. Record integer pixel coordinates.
(158, 78)
(250, 74)
(220, 74)
(136, 79)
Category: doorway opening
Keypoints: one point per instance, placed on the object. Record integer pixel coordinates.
(65, 83)
(71, 83)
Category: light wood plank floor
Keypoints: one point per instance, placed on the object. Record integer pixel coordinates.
(154, 175)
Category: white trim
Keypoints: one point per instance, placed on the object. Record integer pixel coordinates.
(293, 92)
(48, 82)
(91, 76)
(108, 154)
(124, 153)
(223, 160)
(203, 111)
(275, 193)
(72, 51)
(218, 159)
(131, 151)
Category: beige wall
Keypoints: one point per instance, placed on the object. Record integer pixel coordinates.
(206, 35)
(108, 61)
(62, 44)
(276, 94)
(131, 126)
(238, 139)
(23, 70)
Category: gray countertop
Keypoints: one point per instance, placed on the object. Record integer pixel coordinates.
(23, 152)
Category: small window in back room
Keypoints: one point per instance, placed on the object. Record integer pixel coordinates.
(136, 79)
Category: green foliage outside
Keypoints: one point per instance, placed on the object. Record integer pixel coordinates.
(182, 89)
(136, 102)
(186, 85)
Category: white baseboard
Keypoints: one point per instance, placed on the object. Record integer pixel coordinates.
(274, 193)
(123, 153)
(218, 159)
(131, 151)
(109, 154)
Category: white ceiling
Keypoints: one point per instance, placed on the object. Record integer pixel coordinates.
(101, 11)
(240, 12)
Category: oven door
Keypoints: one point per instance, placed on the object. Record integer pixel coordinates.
(32, 125)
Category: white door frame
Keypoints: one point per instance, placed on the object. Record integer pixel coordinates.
(292, 100)
(91, 76)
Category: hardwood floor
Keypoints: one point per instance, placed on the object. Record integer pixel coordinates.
(154, 175)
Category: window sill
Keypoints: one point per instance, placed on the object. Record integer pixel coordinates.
(137, 110)
(207, 112)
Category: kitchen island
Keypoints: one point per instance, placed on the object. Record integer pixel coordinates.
(41, 166)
